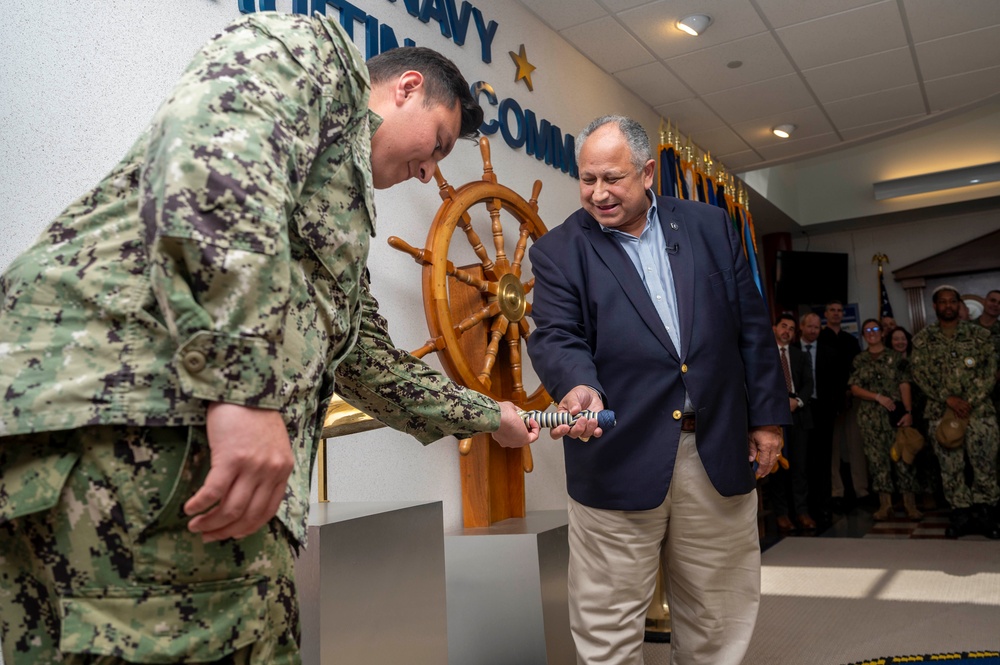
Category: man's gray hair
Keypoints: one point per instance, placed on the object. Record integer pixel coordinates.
(635, 136)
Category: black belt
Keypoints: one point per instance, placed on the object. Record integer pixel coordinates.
(687, 423)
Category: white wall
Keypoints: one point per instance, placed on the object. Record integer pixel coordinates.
(80, 84)
(904, 244)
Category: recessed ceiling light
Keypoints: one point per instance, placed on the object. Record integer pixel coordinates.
(783, 131)
(694, 24)
(735, 64)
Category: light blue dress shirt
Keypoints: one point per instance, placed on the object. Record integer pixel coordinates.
(648, 254)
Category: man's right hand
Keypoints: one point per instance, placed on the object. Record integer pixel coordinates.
(575, 401)
(250, 464)
(961, 408)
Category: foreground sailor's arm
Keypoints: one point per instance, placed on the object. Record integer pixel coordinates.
(225, 158)
(406, 394)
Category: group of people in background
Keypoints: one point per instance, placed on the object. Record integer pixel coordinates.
(897, 421)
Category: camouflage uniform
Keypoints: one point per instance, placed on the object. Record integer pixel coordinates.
(882, 375)
(223, 259)
(995, 338)
(962, 366)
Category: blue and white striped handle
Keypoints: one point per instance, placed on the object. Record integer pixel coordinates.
(605, 419)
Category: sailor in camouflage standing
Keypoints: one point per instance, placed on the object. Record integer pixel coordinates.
(169, 346)
(990, 319)
(880, 379)
(954, 363)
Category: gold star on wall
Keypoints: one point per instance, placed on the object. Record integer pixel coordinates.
(524, 68)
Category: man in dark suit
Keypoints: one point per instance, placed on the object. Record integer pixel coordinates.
(646, 304)
(847, 449)
(792, 483)
(822, 404)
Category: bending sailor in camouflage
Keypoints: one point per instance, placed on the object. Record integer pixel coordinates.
(169, 346)
(955, 365)
(880, 379)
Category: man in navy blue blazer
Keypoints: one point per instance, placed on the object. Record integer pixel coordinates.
(646, 305)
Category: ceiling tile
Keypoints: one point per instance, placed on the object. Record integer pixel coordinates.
(654, 83)
(720, 140)
(878, 107)
(951, 91)
(707, 71)
(809, 121)
(655, 24)
(690, 116)
(608, 45)
(932, 20)
(850, 34)
(799, 147)
(878, 128)
(781, 13)
(562, 14)
(739, 160)
(862, 76)
(760, 99)
(621, 5)
(965, 52)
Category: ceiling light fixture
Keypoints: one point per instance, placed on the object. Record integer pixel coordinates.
(783, 131)
(694, 24)
(934, 182)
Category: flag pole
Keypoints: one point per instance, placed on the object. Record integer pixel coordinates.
(880, 258)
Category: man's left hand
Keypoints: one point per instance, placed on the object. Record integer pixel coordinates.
(765, 444)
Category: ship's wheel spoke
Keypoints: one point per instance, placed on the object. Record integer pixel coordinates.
(467, 324)
(514, 349)
(435, 344)
(497, 331)
(522, 244)
(495, 207)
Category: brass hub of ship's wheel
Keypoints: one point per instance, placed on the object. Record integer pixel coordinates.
(511, 298)
(482, 306)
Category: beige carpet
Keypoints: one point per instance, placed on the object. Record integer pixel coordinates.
(831, 601)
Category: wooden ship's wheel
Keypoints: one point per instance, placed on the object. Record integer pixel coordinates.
(477, 315)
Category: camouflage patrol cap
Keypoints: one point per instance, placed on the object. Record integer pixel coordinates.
(908, 443)
(950, 432)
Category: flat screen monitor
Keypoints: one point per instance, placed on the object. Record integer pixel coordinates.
(810, 278)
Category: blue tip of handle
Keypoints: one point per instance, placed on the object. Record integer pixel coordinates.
(606, 419)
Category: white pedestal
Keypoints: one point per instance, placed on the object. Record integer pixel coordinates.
(507, 592)
(372, 584)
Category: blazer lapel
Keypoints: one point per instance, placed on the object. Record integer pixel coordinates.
(681, 257)
(621, 266)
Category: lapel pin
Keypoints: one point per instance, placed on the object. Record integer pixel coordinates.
(674, 226)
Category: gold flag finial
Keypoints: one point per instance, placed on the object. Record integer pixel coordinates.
(880, 258)
(663, 132)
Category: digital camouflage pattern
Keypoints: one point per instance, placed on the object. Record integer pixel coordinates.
(223, 259)
(995, 338)
(120, 576)
(882, 375)
(962, 366)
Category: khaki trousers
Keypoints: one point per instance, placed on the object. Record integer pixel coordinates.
(711, 554)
